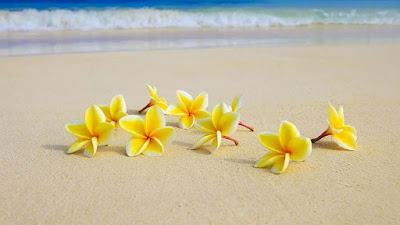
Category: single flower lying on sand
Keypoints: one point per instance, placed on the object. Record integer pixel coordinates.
(188, 109)
(221, 124)
(95, 131)
(115, 111)
(344, 135)
(155, 100)
(148, 136)
(236, 105)
(283, 147)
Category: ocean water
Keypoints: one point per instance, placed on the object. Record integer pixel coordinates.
(24, 15)
(34, 26)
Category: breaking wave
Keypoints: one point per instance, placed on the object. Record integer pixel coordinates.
(127, 18)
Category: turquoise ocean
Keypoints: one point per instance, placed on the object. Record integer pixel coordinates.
(89, 25)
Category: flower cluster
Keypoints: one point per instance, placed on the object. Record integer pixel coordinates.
(150, 134)
(289, 145)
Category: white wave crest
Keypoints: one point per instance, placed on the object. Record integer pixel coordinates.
(31, 19)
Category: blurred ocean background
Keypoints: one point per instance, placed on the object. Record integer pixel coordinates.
(91, 25)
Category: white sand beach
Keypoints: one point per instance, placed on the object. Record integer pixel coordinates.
(40, 184)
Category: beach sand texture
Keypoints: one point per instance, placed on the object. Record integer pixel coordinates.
(40, 184)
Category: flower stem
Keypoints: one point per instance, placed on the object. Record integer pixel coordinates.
(144, 108)
(231, 139)
(245, 125)
(327, 132)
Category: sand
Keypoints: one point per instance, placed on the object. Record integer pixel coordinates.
(40, 184)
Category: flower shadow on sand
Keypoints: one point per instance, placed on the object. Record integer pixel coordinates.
(56, 147)
(328, 145)
(118, 149)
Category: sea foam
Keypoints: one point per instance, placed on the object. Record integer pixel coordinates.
(125, 18)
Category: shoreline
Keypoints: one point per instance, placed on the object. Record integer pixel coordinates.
(144, 39)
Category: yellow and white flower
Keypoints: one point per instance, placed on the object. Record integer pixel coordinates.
(236, 105)
(115, 111)
(283, 147)
(95, 131)
(148, 136)
(221, 124)
(155, 100)
(188, 109)
(343, 135)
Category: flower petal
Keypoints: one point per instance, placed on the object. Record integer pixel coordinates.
(225, 108)
(93, 117)
(104, 132)
(200, 114)
(120, 115)
(333, 129)
(268, 159)
(153, 101)
(237, 103)
(345, 139)
(155, 148)
(136, 146)
(106, 111)
(78, 130)
(287, 131)
(200, 102)
(184, 98)
(152, 91)
(340, 119)
(281, 163)
(216, 142)
(205, 125)
(134, 125)
(176, 110)
(78, 145)
(117, 105)
(154, 119)
(91, 148)
(332, 114)
(163, 134)
(336, 119)
(186, 122)
(271, 141)
(229, 123)
(203, 140)
(217, 112)
(162, 100)
(162, 104)
(300, 148)
(350, 129)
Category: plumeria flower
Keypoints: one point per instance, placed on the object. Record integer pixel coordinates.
(283, 147)
(95, 131)
(236, 105)
(188, 109)
(221, 124)
(149, 135)
(115, 111)
(155, 100)
(343, 135)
